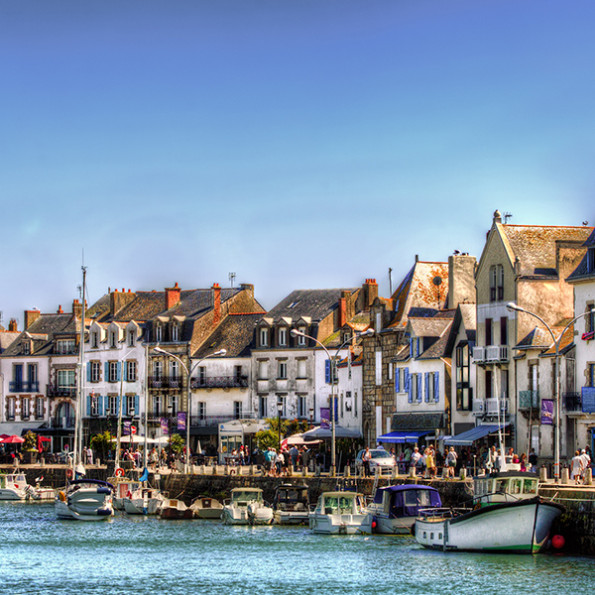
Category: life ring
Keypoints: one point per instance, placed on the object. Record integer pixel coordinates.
(62, 496)
(69, 474)
(232, 471)
(119, 472)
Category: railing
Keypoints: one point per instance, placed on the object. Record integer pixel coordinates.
(165, 382)
(492, 406)
(573, 402)
(23, 386)
(213, 420)
(63, 422)
(61, 391)
(478, 406)
(490, 354)
(529, 399)
(220, 382)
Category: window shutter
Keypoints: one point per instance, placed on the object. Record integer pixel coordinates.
(327, 371)
(136, 404)
(124, 405)
(100, 405)
(419, 388)
(427, 387)
(106, 368)
(88, 405)
(118, 371)
(410, 346)
(407, 380)
(88, 371)
(125, 371)
(397, 380)
(436, 387)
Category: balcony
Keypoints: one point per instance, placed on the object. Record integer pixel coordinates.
(61, 391)
(220, 382)
(206, 421)
(572, 402)
(478, 406)
(63, 422)
(491, 354)
(492, 406)
(170, 382)
(529, 399)
(23, 386)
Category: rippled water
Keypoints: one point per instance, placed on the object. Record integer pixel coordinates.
(146, 555)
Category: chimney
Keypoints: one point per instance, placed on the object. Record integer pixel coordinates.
(172, 296)
(119, 299)
(342, 312)
(371, 291)
(216, 304)
(12, 325)
(77, 308)
(30, 317)
(60, 311)
(461, 280)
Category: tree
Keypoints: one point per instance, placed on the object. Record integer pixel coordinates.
(177, 443)
(102, 444)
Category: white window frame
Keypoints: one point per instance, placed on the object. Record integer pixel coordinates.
(378, 368)
(282, 369)
(112, 371)
(264, 337)
(39, 407)
(131, 337)
(95, 371)
(131, 370)
(302, 339)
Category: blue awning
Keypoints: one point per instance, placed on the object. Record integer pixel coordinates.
(470, 436)
(403, 437)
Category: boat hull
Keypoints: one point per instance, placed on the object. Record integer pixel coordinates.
(515, 527)
(290, 517)
(340, 524)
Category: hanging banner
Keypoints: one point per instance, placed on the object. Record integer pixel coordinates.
(126, 428)
(164, 426)
(181, 420)
(547, 412)
(325, 417)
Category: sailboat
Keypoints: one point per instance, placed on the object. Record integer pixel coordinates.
(83, 499)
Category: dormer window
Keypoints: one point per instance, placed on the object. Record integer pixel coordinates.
(175, 333)
(113, 340)
(65, 346)
(496, 283)
(301, 339)
(283, 337)
(264, 337)
(131, 338)
(94, 340)
(158, 333)
(26, 348)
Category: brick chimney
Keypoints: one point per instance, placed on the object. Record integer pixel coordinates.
(30, 317)
(172, 296)
(216, 304)
(342, 312)
(371, 291)
(77, 308)
(12, 325)
(60, 311)
(119, 299)
(461, 280)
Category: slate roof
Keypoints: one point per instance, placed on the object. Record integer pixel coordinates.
(581, 271)
(430, 327)
(235, 333)
(438, 349)
(315, 303)
(6, 338)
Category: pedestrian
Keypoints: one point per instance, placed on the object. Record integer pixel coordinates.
(451, 461)
(366, 458)
(294, 453)
(576, 468)
(533, 461)
(416, 457)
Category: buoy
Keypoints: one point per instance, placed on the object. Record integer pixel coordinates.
(69, 473)
(558, 542)
(373, 524)
(119, 472)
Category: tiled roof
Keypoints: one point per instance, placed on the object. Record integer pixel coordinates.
(316, 303)
(235, 334)
(438, 349)
(582, 271)
(429, 327)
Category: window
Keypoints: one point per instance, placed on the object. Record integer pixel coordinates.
(130, 405)
(95, 371)
(283, 337)
(32, 377)
(39, 408)
(112, 402)
(94, 405)
(504, 384)
(378, 368)
(157, 405)
(464, 396)
(301, 368)
(174, 404)
(282, 402)
(113, 371)
(302, 406)
(264, 337)
(131, 337)
(262, 406)
(496, 283)
(158, 369)
(237, 373)
(591, 375)
(202, 410)
(113, 339)
(488, 331)
(131, 371)
(174, 369)
(66, 378)
(175, 333)
(263, 370)
(430, 387)
(378, 322)
(10, 408)
(158, 333)
(237, 409)
(66, 346)
(591, 259)
(590, 319)
(504, 331)
(282, 369)
(25, 408)
(488, 384)
(27, 347)
(302, 340)
(415, 392)
(202, 375)
(94, 340)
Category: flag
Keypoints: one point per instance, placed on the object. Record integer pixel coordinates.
(547, 412)
(164, 425)
(181, 420)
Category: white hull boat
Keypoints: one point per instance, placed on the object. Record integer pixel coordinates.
(246, 507)
(85, 500)
(14, 487)
(144, 501)
(340, 513)
(204, 507)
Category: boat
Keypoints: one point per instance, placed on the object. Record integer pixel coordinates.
(85, 500)
(174, 509)
(144, 500)
(395, 508)
(508, 516)
(340, 513)
(204, 507)
(291, 505)
(124, 487)
(246, 507)
(14, 486)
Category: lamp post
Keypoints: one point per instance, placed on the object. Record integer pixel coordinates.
(279, 411)
(514, 307)
(119, 429)
(366, 333)
(221, 352)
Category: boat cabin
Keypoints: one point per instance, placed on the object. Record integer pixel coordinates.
(291, 498)
(505, 486)
(243, 496)
(340, 503)
(406, 500)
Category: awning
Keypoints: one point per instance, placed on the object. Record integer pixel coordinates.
(470, 436)
(321, 433)
(403, 437)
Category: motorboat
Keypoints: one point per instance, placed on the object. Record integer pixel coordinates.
(395, 508)
(204, 507)
(144, 500)
(85, 500)
(291, 505)
(246, 507)
(14, 486)
(124, 487)
(507, 516)
(340, 513)
(174, 509)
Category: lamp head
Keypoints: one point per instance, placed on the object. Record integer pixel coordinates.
(513, 306)
(295, 333)
(367, 333)
(220, 352)
(159, 350)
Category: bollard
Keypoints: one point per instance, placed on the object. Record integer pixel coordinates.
(412, 472)
(565, 475)
(289, 470)
(588, 476)
(304, 471)
(251, 469)
(543, 474)
(214, 469)
(444, 472)
(395, 471)
(347, 471)
(463, 474)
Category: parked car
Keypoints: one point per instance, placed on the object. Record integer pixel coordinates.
(380, 458)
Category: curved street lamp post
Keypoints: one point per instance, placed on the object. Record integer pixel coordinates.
(332, 360)
(514, 307)
(221, 352)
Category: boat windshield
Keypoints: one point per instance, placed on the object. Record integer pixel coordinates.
(245, 496)
(417, 498)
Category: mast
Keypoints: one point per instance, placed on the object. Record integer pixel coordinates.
(78, 425)
(146, 396)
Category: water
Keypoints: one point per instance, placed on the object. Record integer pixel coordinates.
(143, 555)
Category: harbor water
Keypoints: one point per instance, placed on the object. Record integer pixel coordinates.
(139, 555)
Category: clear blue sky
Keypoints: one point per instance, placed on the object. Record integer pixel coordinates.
(299, 143)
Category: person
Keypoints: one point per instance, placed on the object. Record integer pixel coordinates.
(294, 452)
(451, 461)
(89, 455)
(366, 458)
(492, 458)
(415, 457)
(279, 463)
(586, 459)
(154, 458)
(430, 465)
(523, 462)
(533, 461)
(305, 456)
(576, 468)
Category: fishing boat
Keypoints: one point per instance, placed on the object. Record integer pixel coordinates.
(246, 507)
(395, 508)
(124, 487)
(291, 505)
(340, 513)
(144, 500)
(204, 507)
(85, 500)
(14, 486)
(174, 509)
(507, 516)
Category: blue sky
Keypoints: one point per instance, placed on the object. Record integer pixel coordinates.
(299, 144)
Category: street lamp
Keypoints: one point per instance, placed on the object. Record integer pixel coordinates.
(122, 363)
(366, 333)
(514, 307)
(221, 352)
(279, 411)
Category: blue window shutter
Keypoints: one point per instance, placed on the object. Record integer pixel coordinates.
(419, 388)
(106, 404)
(124, 372)
(88, 405)
(118, 371)
(327, 371)
(88, 371)
(124, 405)
(136, 404)
(427, 388)
(436, 387)
(100, 405)
(106, 367)
(410, 346)
(408, 386)
(397, 380)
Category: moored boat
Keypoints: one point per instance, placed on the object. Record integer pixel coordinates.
(174, 509)
(14, 486)
(85, 500)
(204, 507)
(144, 501)
(291, 504)
(246, 507)
(340, 513)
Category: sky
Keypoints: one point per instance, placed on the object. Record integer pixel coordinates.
(298, 144)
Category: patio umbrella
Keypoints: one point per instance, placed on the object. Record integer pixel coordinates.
(297, 440)
(321, 433)
(13, 440)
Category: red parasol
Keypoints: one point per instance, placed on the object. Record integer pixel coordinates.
(14, 439)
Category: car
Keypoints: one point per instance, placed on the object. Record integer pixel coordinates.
(380, 459)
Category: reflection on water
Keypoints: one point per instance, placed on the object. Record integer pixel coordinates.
(147, 555)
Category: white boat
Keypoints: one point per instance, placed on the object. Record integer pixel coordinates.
(340, 513)
(85, 500)
(291, 505)
(508, 516)
(144, 501)
(204, 507)
(14, 486)
(124, 487)
(246, 507)
(174, 509)
(395, 508)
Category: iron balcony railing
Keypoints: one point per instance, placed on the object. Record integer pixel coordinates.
(165, 382)
(23, 386)
(220, 382)
(61, 391)
(213, 420)
(529, 399)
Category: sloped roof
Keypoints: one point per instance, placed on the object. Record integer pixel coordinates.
(429, 327)
(235, 334)
(437, 349)
(466, 317)
(6, 339)
(316, 303)
(581, 271)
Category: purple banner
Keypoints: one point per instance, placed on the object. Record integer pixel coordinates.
(126, 428)
(325, 417)
(547, 412)
(164, 426)
(181, 420)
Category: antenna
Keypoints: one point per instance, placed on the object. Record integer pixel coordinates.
(390, 281)
(232, 278)
(507, 216)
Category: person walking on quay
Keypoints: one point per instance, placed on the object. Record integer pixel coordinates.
(416, 458)
(366, 458)
(294, 453)
(586, 460)
(576, 468)
(533, 461)
(451, 461)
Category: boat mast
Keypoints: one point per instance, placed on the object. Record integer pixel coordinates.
(78, 429)
(146, 395)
